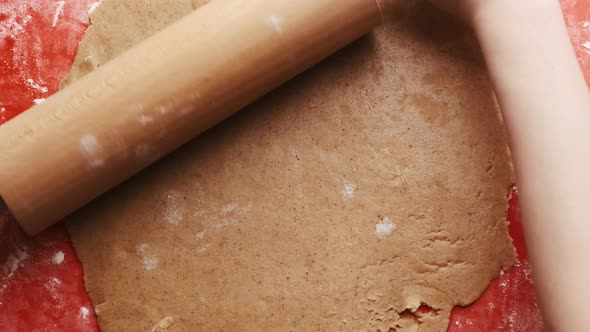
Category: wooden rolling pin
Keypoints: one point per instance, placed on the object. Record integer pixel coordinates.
(94, 134)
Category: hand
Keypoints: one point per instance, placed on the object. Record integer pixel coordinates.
(545, 102)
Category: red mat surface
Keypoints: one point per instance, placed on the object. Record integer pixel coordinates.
(41, 286)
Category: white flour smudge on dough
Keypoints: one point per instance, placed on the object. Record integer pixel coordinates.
(150, 261)
(174, 207)
(203, 249)
(384, 228)
(235, 209)
(348, 191)
(163, 324)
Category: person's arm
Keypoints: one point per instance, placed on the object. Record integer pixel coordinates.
(546, 107)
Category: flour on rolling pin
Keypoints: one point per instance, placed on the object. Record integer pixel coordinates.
(92, 149)
(276, 22)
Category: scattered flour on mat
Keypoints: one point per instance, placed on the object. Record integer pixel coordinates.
(12, 264)
(15, 260)
(39, 101)
(27, 49)
(384, 227)
(578, 31)
(36, 86)
(84, 312)
(150, 262)
(59, 10)
(511, 321)
(58, 258)
(15, 20)
(52, 284)
(93, 7)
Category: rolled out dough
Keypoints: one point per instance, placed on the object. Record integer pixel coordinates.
(368, 186)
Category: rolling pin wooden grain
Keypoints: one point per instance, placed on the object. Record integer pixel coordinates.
(94, 134)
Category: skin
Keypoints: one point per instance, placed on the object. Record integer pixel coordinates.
(546, 107)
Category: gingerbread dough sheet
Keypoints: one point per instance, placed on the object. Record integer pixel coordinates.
(370, 185)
